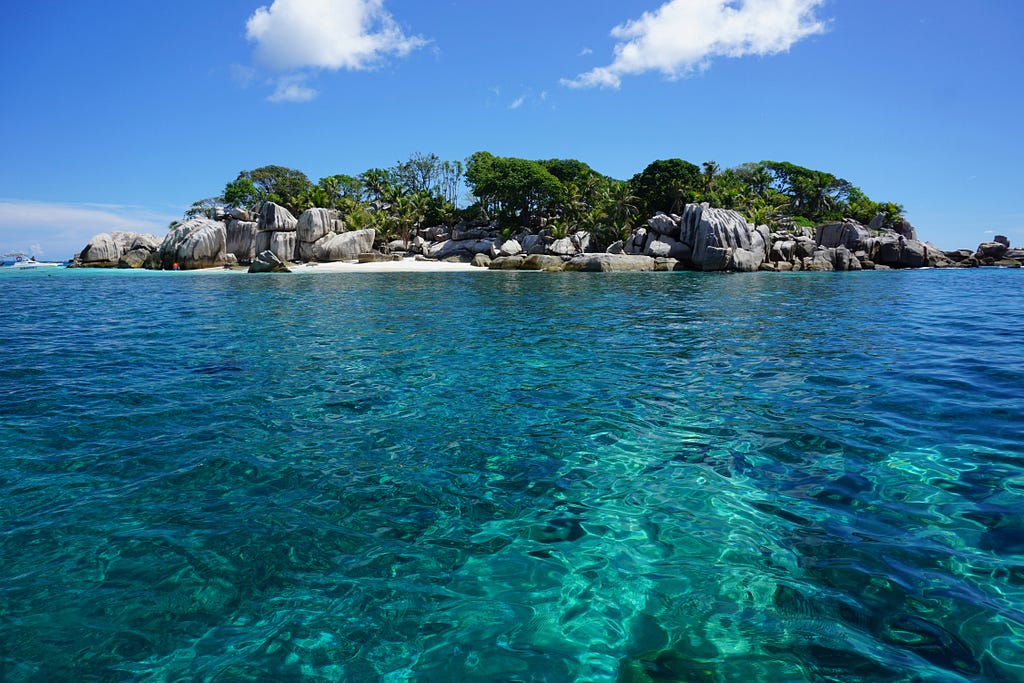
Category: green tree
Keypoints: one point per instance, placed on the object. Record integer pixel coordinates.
(666, 185)
(517, 188)
(276, 184)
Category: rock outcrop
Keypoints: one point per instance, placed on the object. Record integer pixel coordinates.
(313, 226)
(267, 262)
(196, 243)
(241, 239)
(112, 249)
(344, 246)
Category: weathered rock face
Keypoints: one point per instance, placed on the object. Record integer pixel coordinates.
(283, 244)
(135, 258)
(1002, 239)
(197, 243)
(849, 234)
(267, 262)
(713, 234)
(276, 218)
(510, 248)
(106, 249)
(904, 228)
(994, 250)
(344, 246)
(241, 239)
(664, 224)
(543, 262)
(606, 263)
(563, 247)
(314, 224)
(465, 249)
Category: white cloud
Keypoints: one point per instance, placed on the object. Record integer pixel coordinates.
(518, 102)
(60, 230)
(682, 36)
(326, 34)
(292, 89)
(585, 51)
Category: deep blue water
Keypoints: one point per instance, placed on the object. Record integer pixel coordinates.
(512, 477)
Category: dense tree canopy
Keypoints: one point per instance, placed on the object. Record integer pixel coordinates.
(563, 194)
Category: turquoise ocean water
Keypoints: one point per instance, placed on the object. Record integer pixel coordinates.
(512, 477)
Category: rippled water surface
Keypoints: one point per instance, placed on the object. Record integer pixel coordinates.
(512, 477)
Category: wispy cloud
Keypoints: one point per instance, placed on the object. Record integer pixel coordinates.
(292, 88)
(59, 230)
(683, 36)
(518, 102)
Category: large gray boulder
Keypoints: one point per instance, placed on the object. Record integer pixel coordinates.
(606, 263)
(106, 249)
(849, 234)
(713, 234)
(466, 249)
(241, 239)
(196, 243)
(994, 250)
(904, 228)
(664, 224)
(344, 246)
(314, 224)
(267, 262)
(510, 248)
(283, 244)
(563, 247)
(276, 218)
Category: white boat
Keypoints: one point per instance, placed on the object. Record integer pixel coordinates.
(24, 261)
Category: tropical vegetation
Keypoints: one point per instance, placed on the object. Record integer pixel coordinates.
(561, 195)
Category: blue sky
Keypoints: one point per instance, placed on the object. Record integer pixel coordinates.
(119, 114)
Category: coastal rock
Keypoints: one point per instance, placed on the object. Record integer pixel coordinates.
(668, 265)
(804, 247)
(744, 261)
(663, 224)
(849, 234)
(904, 228)
(707, 231)
(535, 244)
(198, 242)
(507, 262)
(887, 252)
(314, 224)
(510, 248)
(283, 244)
(580, 240)
(782, 250)
(463, 249)
(135, 258)
(481, 261)
(606, 263)
(240, 214)
(344, 246)
(276, 218)
(958, 255)
(1002, 239)
(716, 258)
(994, 250)
(543, 262)
(241, 239)
(267, 262)
(562, 247)
(666, 246)
(615, 247)
(106, 249)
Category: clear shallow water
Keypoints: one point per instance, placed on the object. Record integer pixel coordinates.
(512, 477)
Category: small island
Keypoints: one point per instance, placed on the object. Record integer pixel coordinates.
(548, 215)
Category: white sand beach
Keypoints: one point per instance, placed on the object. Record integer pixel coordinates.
(406, 265)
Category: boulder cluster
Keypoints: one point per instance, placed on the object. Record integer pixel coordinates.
(700, 238)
